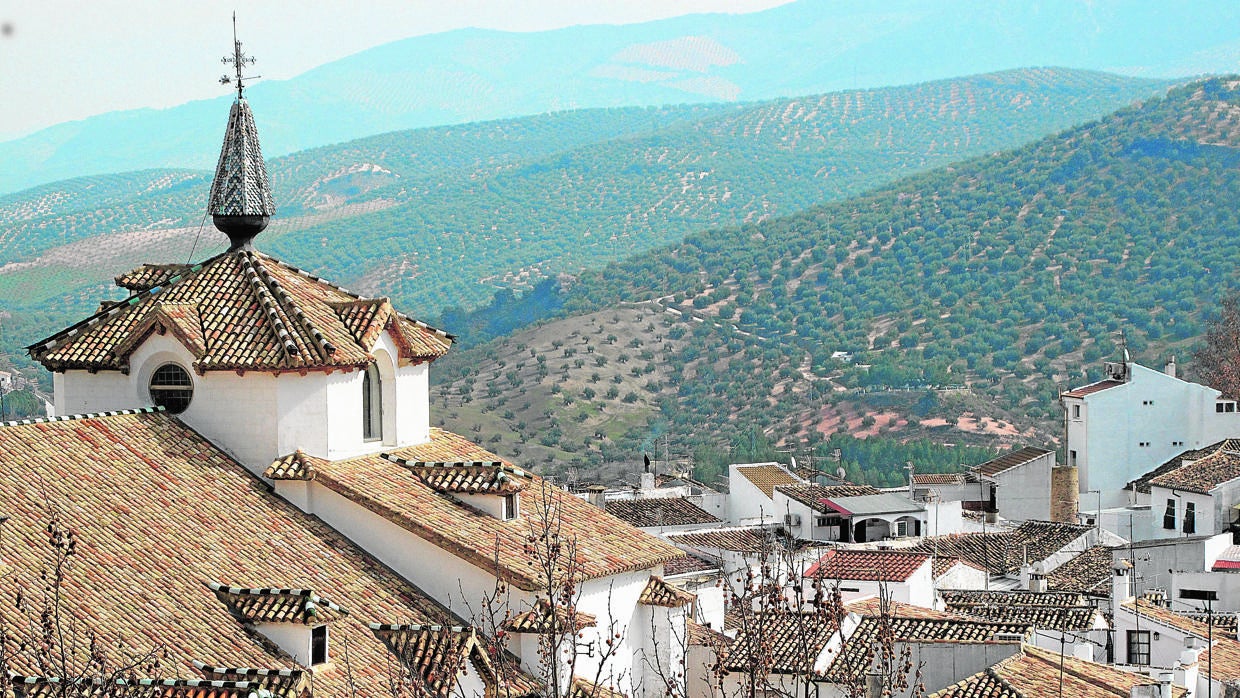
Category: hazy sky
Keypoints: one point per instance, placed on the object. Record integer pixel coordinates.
(63, 60)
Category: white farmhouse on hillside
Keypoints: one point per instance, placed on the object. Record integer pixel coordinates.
(1135, 419)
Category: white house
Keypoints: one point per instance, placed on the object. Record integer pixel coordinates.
(1017, 484)
(902, 576)
(1136, 418)
(751, 492)
(1198, 497)
(847, 513)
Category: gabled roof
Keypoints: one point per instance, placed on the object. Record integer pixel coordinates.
(1142, 484)
(939, 478)
(660, 593)
(292, 320)
(1005, 552)
(1008, 461)
(649, 512)
(1087, 573)
(857, 653)
(157, 511)
(1093, 388)
(1036, 673)
(867, 565)
(1203, 474)
(741, 539)
(270, 605)
(944, 564)
(391, 485)
(813, 496)
(965, 598)
(539, 619)
(780, 642)
(435, 655)
(766, 476)
(1061, 618)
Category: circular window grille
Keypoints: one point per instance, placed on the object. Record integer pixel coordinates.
(171, 388)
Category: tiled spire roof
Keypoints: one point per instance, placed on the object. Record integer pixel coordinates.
(240, 203)
(291, 319)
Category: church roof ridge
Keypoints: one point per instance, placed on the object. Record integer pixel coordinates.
(84, 415)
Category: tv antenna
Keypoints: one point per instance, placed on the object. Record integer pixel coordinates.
(238, 61)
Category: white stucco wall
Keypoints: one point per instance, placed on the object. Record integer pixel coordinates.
(746, 503)
(944, 517)
(1024, 492)
(1204, 520)
(961, 576)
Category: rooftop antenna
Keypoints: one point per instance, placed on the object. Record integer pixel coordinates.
(238, 60)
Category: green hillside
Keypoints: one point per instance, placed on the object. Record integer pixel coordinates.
(979, 290)
(446, 217)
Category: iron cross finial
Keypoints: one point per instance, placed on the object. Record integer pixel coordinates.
(238, 60)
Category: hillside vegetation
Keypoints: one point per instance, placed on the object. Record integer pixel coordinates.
(982, 288)
(449, 216)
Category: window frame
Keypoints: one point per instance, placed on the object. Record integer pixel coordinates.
(167, 389)
(1138, 640)
(1190, 517)
(372, 403)
(319, 641)
(511, 507)
(1169, 514)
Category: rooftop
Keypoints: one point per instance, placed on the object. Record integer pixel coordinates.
(868, 565)
(1087, 573)
(661, 511)
(813, 495)
(294, 320)
(1036, 673)
(1093, 388)
(1142, 484)
(766, 476)
(139, 486)
(858, 651)
(741, 539)
(780, 642)
(1203, 474)
(1010, 460)
(1005, 552)
(396, 486)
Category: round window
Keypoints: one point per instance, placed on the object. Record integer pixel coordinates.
(171, 388)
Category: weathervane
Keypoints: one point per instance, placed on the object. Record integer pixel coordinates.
(237, 60)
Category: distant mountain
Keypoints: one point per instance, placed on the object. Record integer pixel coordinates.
(450, 216)
(965, 298)
(806, 47)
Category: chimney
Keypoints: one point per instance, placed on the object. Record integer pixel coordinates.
(1037, 578)
(1121, 582)
(1169, 368)
(647, 481)
(1164, 684)
(597, 495)
(1186, 671)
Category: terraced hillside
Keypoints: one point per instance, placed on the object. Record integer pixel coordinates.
(446, 217)
(968, 297)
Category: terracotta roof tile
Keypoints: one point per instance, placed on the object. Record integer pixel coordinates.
(582, 688)
(1087, 573)
(539, 619)
(22, 686)
(780, 642)
(665, 511)
(858, 650)
(868, 565)
(660, 593)
(1093, 388)
(766, 476)
(1005, 552)
(295, 466)
(1181, 622)
(813, 495)
(705, 636)
(1203, 474)
(739, 539)
(963, 598)
(1142, 484)
(689, 564)
(436, 653)
(938, 478)
(291, 320)
(1008, 461)
(149, 276)
(158, 512)
(873, 606)
(380, 482)
(270, 605)
(1036, 673)
(1045, 617)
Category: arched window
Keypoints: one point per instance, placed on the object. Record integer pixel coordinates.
(372, 405)
(171, 388)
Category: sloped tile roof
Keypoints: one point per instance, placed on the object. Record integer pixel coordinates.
(944, 564)
(873, 606)
(1087, 573)
(938, 478)
(1004, 552)
(867, 565)
(1142, 484)
(383, 484)
(780, 642)
(689, 564)
(964, 598)
(1093, 388)
(292, 321)
(270, 605)
(427, 650)
(744, 539)
(1202, 475)
(281, 682)
(1225, 655)
(1036, 673)
(664, 511)
(813, 495)
(1008, 461)
(540, 620)
(149, 276)
(705, 636)
(1066, 619)
(158, 512)
(660, 593)
(855, 657)
(295, 466)
(766, 476)
(1169, 618)
(468, 478)
(583, 688)
(21, 686)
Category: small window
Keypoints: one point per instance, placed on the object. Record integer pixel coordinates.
(1076, 411)
(1169, 516)
(1139, 647)
(318, 645)
(1218, 407)
(820, 521)
(1229, 407)
(1072, 458)
(171, 388)
(372, 405)
(511, 504)
(1190, 517)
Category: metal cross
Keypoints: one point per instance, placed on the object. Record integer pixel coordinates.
(238, 60)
